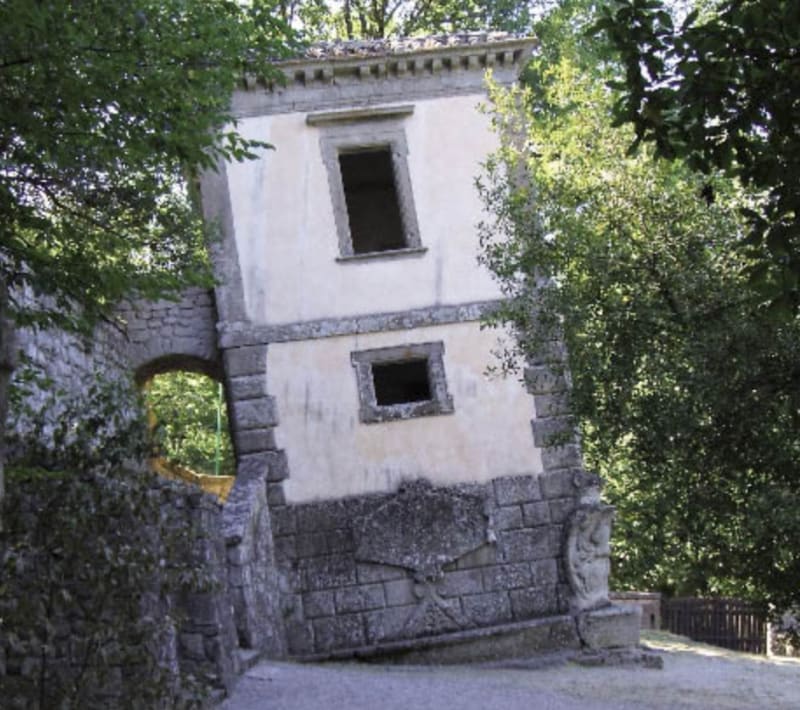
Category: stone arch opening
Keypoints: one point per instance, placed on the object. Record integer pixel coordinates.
(188, 418)
(178, 363)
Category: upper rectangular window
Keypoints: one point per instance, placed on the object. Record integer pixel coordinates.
(370, 188)
(370, 193)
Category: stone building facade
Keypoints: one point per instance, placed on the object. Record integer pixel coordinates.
(391, 499)
(418, 507)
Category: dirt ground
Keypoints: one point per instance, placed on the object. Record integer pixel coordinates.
(694, 677)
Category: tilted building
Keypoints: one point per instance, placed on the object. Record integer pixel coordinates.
(390, 497)
(415, 501)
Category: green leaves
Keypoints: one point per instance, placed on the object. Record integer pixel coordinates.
(98, 430)
(85, 590)
(105, 107)
(184, 406)
(684, 385)
(365, 19)
(720, 92)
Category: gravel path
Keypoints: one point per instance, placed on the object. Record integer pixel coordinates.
(694, 677)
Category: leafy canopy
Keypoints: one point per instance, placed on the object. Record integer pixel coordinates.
(373, 19)
(106, 108)
(188, 412)
(685, 394)
(721, 90)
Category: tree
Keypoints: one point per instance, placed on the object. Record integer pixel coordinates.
(106, 108)
(191, 422)
(721, 90)
(376, 19)
(685, 394)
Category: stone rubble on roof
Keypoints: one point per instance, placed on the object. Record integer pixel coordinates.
(400, 45)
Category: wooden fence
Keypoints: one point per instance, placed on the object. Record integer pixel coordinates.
(731, 623)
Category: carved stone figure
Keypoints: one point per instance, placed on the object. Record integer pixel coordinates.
(587, 555)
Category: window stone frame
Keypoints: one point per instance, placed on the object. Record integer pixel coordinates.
(370, 412)
(365, 135)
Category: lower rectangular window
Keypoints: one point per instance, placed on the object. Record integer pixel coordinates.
(401, 382)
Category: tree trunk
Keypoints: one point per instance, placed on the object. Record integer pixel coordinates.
(8, 360)
(348, 20)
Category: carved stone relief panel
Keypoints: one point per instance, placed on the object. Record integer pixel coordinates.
(422, 528)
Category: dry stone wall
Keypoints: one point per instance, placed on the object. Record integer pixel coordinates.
(55, 372)
(59, 369)
(237, 607)
(252, 577)
(181, 592)
(170, 335)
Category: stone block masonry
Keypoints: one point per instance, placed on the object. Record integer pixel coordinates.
(252, 576)
(55, 371)
(504, 563)
(186, 609)
(170, 335)
(142, 340)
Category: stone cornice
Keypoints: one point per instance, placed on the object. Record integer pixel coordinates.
(401, 71)
(414, 58)
(324, 118)
(244, 334)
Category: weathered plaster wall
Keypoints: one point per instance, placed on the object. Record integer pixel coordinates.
(332, 454)
(420, 566)
(286, 234)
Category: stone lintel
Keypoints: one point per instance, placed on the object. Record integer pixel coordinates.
(322, 118)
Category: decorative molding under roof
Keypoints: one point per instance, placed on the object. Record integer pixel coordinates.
(337, 74)
(395, 46)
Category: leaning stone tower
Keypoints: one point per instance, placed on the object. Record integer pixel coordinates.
(418, 508)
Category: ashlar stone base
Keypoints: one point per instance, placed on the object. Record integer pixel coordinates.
(614, 626)
(496, 643)
(608, 629)
(512, 568)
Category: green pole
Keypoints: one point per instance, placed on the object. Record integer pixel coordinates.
(219, 430)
